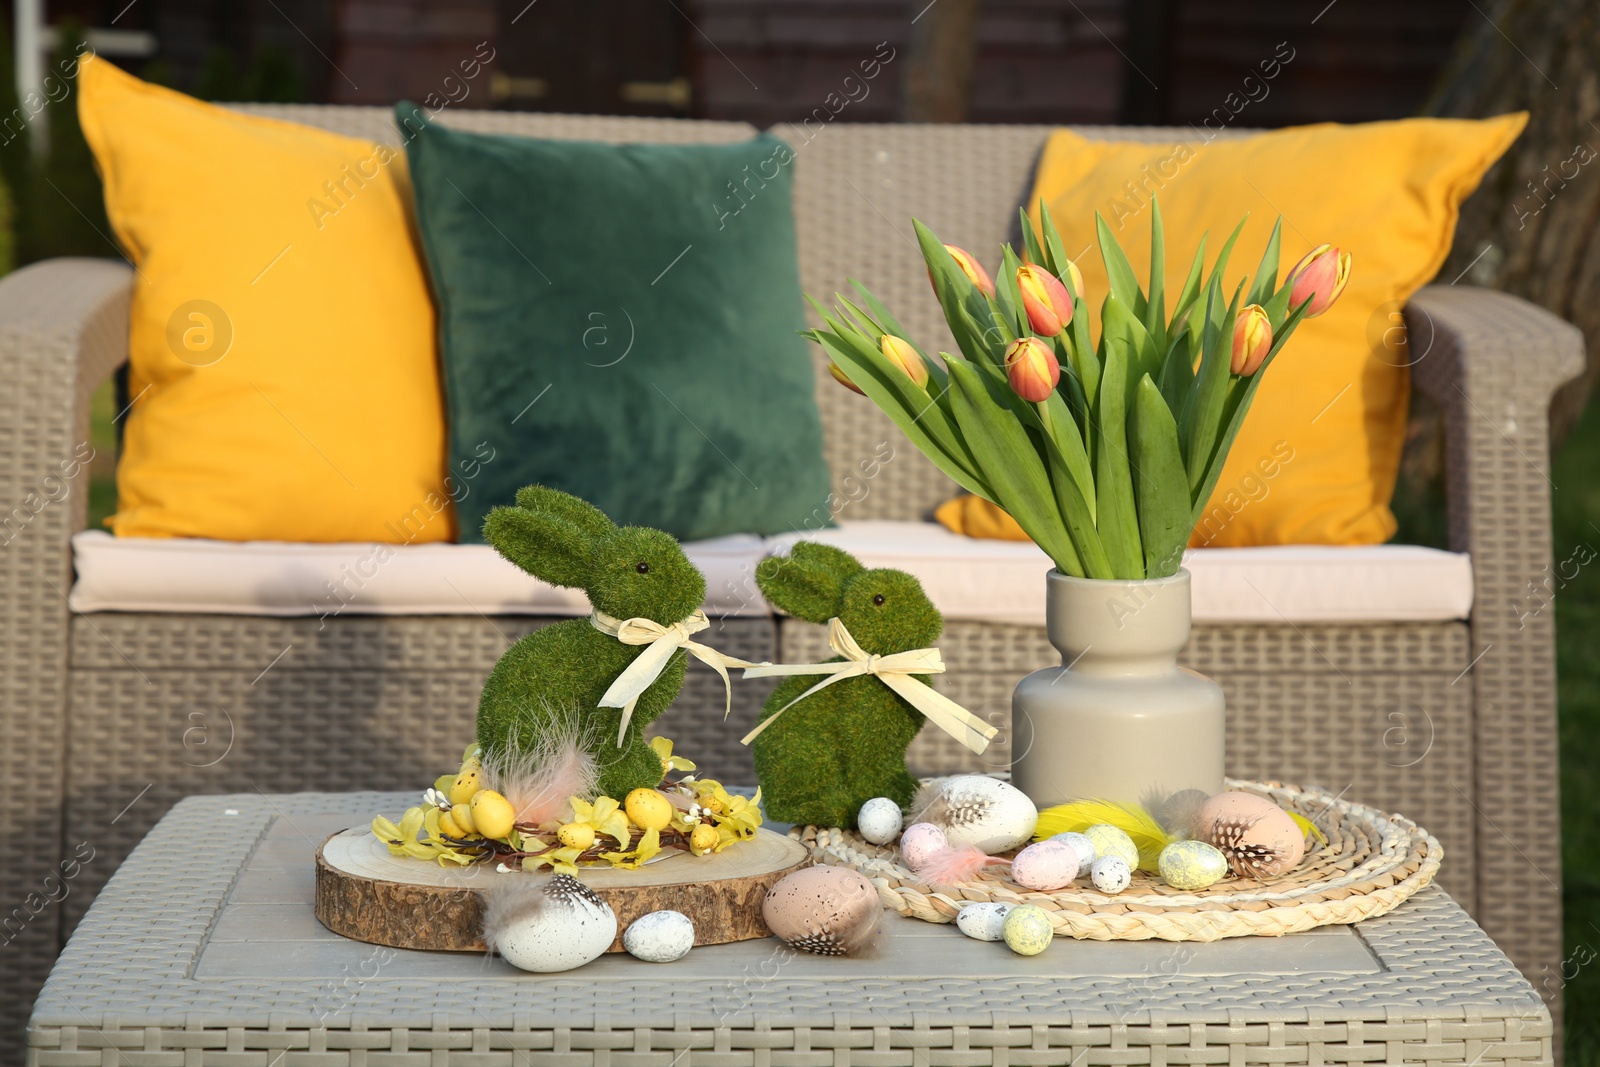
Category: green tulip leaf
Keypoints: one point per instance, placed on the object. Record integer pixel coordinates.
(1119, 272)
(1155, 315)
(1117, 517)
(1267, 273)
(1160, 483)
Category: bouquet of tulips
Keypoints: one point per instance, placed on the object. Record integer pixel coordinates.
(1105, 452)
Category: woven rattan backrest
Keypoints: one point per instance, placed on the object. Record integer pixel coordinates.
(857, 187)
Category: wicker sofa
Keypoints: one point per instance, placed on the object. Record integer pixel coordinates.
(111, 716)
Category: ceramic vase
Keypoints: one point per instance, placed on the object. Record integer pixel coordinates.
(1119, 719)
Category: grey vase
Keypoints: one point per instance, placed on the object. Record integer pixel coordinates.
(1119, 720)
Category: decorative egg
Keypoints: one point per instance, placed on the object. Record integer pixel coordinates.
(1192, 865)
(1111, 874)
(879, 820)
(649, 809)
(832, 911)
(1110, 840)
(1046, 865)
(551, 925)
(659, 937)
(985, 921)
(1027, 930)
(974, 809)
(1087, 853)
(491, 813)
(1257, 837)
(920, 842)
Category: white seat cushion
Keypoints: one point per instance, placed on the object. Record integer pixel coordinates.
(1003, 581)
(277, 578)
(967, 578)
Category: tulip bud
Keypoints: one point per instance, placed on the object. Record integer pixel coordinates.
(1031, 368)
(1076, 275)
(838, 376)
(1320, 277)
(1252, 339)
(898, 350)
(1045, 299)
(972, 269)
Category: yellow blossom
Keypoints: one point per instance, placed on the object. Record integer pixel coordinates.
(669, 762)
(649, 844)
(605, 816)
(561, 860)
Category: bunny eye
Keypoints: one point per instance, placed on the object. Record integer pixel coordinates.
(877, 599)
(642, 567)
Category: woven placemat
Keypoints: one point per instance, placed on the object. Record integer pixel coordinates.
(1372, 862)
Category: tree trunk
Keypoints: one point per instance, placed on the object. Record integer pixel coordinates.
(940, 59)
(1533, 228)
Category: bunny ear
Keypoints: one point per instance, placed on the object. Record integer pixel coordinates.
(542, 500)
(809, 582)
(546, 546)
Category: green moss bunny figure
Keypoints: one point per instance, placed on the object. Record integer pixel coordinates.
(843, 745)
(627, 572)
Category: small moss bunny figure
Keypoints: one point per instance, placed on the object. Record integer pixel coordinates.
(627, 572)
(840, 747)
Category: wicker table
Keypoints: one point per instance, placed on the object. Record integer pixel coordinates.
(203, 949)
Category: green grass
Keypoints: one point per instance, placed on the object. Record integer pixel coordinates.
(1576, 505)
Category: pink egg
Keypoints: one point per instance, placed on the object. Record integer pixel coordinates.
(1045, 865)
(919, 842)
(832, 911)
(1257, 837)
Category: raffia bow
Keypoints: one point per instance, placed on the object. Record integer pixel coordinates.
(647, 666)
(895, 671)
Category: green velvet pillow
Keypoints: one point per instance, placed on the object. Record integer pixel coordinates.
(615, 322)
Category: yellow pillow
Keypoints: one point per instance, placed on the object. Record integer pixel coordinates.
(1316, 459)
(282, 343)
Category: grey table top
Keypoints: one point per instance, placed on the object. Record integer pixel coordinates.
(221, 939)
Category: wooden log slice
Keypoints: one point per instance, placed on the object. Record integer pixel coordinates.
(367, 894)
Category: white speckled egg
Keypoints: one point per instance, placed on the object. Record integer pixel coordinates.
(659, 937)
(1027, 930)
(1111, 841)
(1087, 853)
(879, 820)
(553, 926)
(974, 809)
(1111, 874)
(985, 921)
(1045, 865)
(1192, 865)
(920, 842)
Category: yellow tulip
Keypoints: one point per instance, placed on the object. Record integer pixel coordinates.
(899, 351)
(1031, 368)
(1252, 339)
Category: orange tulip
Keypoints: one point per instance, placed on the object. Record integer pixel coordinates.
(972, 269)
(1031, 368)
(899, 351)
(1252, 339)
(838, 376)
(1319, 277)
(1045, 299)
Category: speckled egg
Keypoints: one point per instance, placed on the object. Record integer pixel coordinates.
(879, 820)
(1192, 865)
(920, 842)
(1109, 840)
(659, 937)
(1257, 837)
(1111, 874)
(832, 911)
(554, 926)
(1045, 865)
(974, 809)
(985, 921)
(1087, 853)
(1027, 930)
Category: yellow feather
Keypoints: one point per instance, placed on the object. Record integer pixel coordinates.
(1148, 836)
(1309, 827)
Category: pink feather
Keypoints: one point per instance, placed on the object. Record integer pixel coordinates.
(952, 866)
(541, 779)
